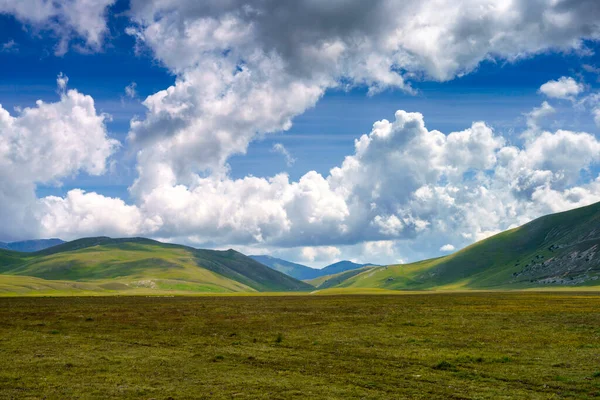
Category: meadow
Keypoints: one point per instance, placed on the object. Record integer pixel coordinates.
(471, 345)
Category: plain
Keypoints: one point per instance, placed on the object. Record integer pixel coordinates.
(470, 345)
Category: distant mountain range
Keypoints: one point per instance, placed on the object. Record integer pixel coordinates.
(28, 246)
(302, 272)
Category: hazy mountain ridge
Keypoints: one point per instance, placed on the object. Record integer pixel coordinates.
(303, 272)
(28, 246)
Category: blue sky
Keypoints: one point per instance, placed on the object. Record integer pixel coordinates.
(500, 90)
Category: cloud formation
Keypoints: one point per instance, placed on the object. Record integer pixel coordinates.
(563, 88)
(68, 19)
(245, 69)
(447, 248)
(248, 68)
(42, 145)
(402, 182)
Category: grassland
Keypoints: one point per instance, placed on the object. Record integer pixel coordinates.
(485, 345)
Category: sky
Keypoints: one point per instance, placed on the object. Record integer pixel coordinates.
(384, 132)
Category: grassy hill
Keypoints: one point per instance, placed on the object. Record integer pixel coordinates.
(138, 263)
(558, 250)
(330, 281)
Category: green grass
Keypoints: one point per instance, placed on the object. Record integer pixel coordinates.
(135, 263)
(328, 281)
(485, 345)
(499, 261)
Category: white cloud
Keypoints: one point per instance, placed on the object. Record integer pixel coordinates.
(44, 144)
(81, 214)
(403, 182)
(364, 40)
(563, 88)
(246, 69)
(67, 18)
(447, 248)
(280, 148)
(323, 254)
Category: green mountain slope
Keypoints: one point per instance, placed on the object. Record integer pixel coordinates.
(298, 271)
(556, 250)
(145, 263)
(329, 281)
(342, 266)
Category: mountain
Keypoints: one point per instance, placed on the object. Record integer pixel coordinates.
(330, 281)
(303, 272)
(30, 245)
(129, 264)
(557, 250)
(297, 271)
(341, 266)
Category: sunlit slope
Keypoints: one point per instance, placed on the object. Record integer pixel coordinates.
(329, 281)
(553, 251)
(146, 263)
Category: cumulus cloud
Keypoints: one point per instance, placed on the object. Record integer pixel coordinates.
(81, 214)
(248, 68)
(42, 145)
(366, 40)
(67, 18)
(245, 69)
(447, 248)
(563, 88)
(328, 254)
(403, 182)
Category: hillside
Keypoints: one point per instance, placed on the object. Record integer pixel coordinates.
(122, 264)
(558, 250)
(28, 246)
(298, 271)
(342, 266)
(330, 281)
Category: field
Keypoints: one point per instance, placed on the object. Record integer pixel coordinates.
(439, 345)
